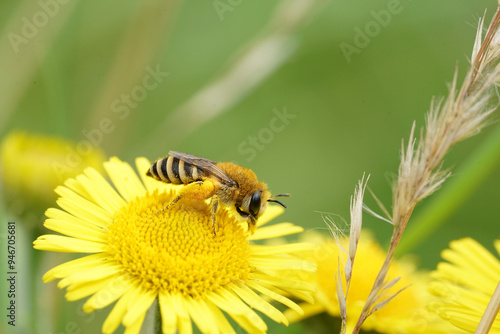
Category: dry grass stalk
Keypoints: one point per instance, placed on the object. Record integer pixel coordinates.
(490, 313)
(450, 120)
(356, 211)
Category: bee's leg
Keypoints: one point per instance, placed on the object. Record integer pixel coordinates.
(175, 200)
(252, 224)
(169, 205)
(214, 204)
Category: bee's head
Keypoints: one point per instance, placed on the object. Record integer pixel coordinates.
(254, 204)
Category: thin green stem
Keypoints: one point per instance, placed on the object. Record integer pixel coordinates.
(158, 318)
(459, 188)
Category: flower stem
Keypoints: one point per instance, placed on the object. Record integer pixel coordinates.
(158, 318)
(490, 313)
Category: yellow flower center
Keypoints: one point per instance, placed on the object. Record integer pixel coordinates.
(176, 250)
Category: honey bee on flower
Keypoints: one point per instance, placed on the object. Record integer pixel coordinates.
(223, 182)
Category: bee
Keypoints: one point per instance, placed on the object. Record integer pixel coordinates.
(223, 182)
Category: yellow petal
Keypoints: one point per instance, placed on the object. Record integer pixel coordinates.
(102, 185)
(221, 322)
(255, 301)
(277, 230)
(227, 301)
(139, 306)
(461, 320)
(135, 328)
(179, 306)
(251, 322)
(115, 316)
(184, 325)
(67, 217)
(291, 248)
(104, 197)
(284, 283)
(465, 254)
(272, 211)
(303, 295)
(201, 315)
(87, 288)
(279, 298)
(168, 314)
(83, 232)
(97, 273)
(57, 243)
(85, 210)
(497, 245)
(76, 198)
(308, 310)
(267, 263)
(124, 178)
(77, 187)
(71, 267)
(108, 294)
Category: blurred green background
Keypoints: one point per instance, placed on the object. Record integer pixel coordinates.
(346, 115)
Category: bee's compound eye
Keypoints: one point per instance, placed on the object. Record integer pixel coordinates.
(254, 206)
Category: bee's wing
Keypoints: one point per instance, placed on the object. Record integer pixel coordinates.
(204, 164)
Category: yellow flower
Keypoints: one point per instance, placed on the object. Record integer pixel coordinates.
(405, 313)
(465, 284)
(142, 252)
(33, 165)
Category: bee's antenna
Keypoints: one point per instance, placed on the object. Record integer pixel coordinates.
(281, 195)
(276, 201)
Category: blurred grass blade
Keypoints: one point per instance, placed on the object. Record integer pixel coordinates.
(254, 66)
(28, 36)
(56, 94)
(139, 50)
(248, 67)
(459, 188)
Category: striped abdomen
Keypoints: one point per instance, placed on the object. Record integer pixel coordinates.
(174, 170)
